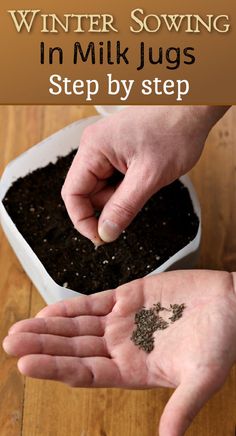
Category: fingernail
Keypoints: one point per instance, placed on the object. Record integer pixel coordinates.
(10, 331)
(96, 246)
(5, 344)
(97, 242)
(109, 231)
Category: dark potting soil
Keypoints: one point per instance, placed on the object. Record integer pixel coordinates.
(165, 225)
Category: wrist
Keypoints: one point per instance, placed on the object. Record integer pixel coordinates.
(207, 116)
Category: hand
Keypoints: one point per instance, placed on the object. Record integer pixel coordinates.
(85, 342)
(151, 145)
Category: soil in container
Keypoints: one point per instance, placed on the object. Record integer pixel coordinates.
(166, 224)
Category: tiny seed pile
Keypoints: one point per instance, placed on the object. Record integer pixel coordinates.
(148, 321)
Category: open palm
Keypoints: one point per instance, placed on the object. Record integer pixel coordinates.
(86, 341)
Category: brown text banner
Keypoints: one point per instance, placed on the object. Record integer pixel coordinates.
(124, 52)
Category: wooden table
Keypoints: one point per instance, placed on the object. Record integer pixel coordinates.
(41, 408)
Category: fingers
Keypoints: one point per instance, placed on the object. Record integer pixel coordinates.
(81, 212)
(185, 403)
(98, 304)
(21, 344)
(102, 196)
(131, 195)
(77, 372)
(83, 180)
(61, 326)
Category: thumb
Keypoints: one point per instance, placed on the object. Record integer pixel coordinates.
(183, 406)
(130, 196)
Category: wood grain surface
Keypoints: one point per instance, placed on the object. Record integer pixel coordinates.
(42, 408)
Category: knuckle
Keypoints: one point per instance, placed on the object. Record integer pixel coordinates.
(149, 183)
(124, 210)
(89, 134)
(149, 175)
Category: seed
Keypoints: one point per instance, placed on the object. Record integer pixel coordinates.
(65, 285)
(177, 310)
(148, 321)
(158, 307)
